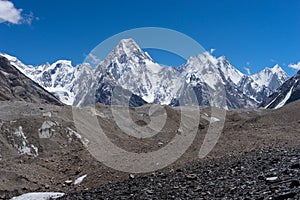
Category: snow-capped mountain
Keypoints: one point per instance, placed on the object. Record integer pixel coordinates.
(264, 83)
(286, 93)
(129, 70)
(208, 75)
(253, 90)
(60, 78)
(271, 77)
(135, 70)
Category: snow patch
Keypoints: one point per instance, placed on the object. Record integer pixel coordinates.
(83, 140)
(272, 178)
(80, 179)
(154, 67)
(271, 102)
(22, 145)
(39, 196)
(288, 95)
(214, 119)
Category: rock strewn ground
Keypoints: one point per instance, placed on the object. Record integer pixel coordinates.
(61, 159)
(269, 173)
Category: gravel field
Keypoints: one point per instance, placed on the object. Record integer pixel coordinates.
(269, 173)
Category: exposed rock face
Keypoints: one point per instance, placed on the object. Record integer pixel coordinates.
(15, 86)
(287, 93)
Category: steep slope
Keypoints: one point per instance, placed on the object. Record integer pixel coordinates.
(287, 93)
(253, 90)
(105, 90)
(230, 72)
(210, 77)
(15, 86)
(60, 78)
(135, 70)
(261, 85)
(271, 77)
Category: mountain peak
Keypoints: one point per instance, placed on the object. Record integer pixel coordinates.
(274, 70)
(277, 68)
(63, 62)
(127, 49)
(128, 46)
(203, 58)
(271, 77)
(128, 41)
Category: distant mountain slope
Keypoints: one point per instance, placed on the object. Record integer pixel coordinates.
(272, 78)
(287, 93)
(15, 86)
(132, 71)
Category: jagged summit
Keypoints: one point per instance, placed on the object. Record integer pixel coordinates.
(129, 48)
(276, 67)
(128, 43)
(125, 56)
(271, 77)
(63, 62)
(207, 61)
(128, 67)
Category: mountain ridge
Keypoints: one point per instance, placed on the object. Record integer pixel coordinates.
(130, 68)
(15, 86)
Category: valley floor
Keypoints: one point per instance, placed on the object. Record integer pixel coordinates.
(256, 157)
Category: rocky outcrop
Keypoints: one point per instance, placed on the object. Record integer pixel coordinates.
(15, 86)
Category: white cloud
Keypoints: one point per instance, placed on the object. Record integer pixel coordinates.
(93, 59)
(12, 15)
(212, 50)
(28, 18)
(8, 12)
(295, 66)
(247, 70)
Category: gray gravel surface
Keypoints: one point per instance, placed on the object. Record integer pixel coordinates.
(269, 173)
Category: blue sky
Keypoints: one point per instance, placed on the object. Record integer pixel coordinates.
(250, 33)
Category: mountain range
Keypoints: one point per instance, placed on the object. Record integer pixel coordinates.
(128, 75)
(286, 93)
